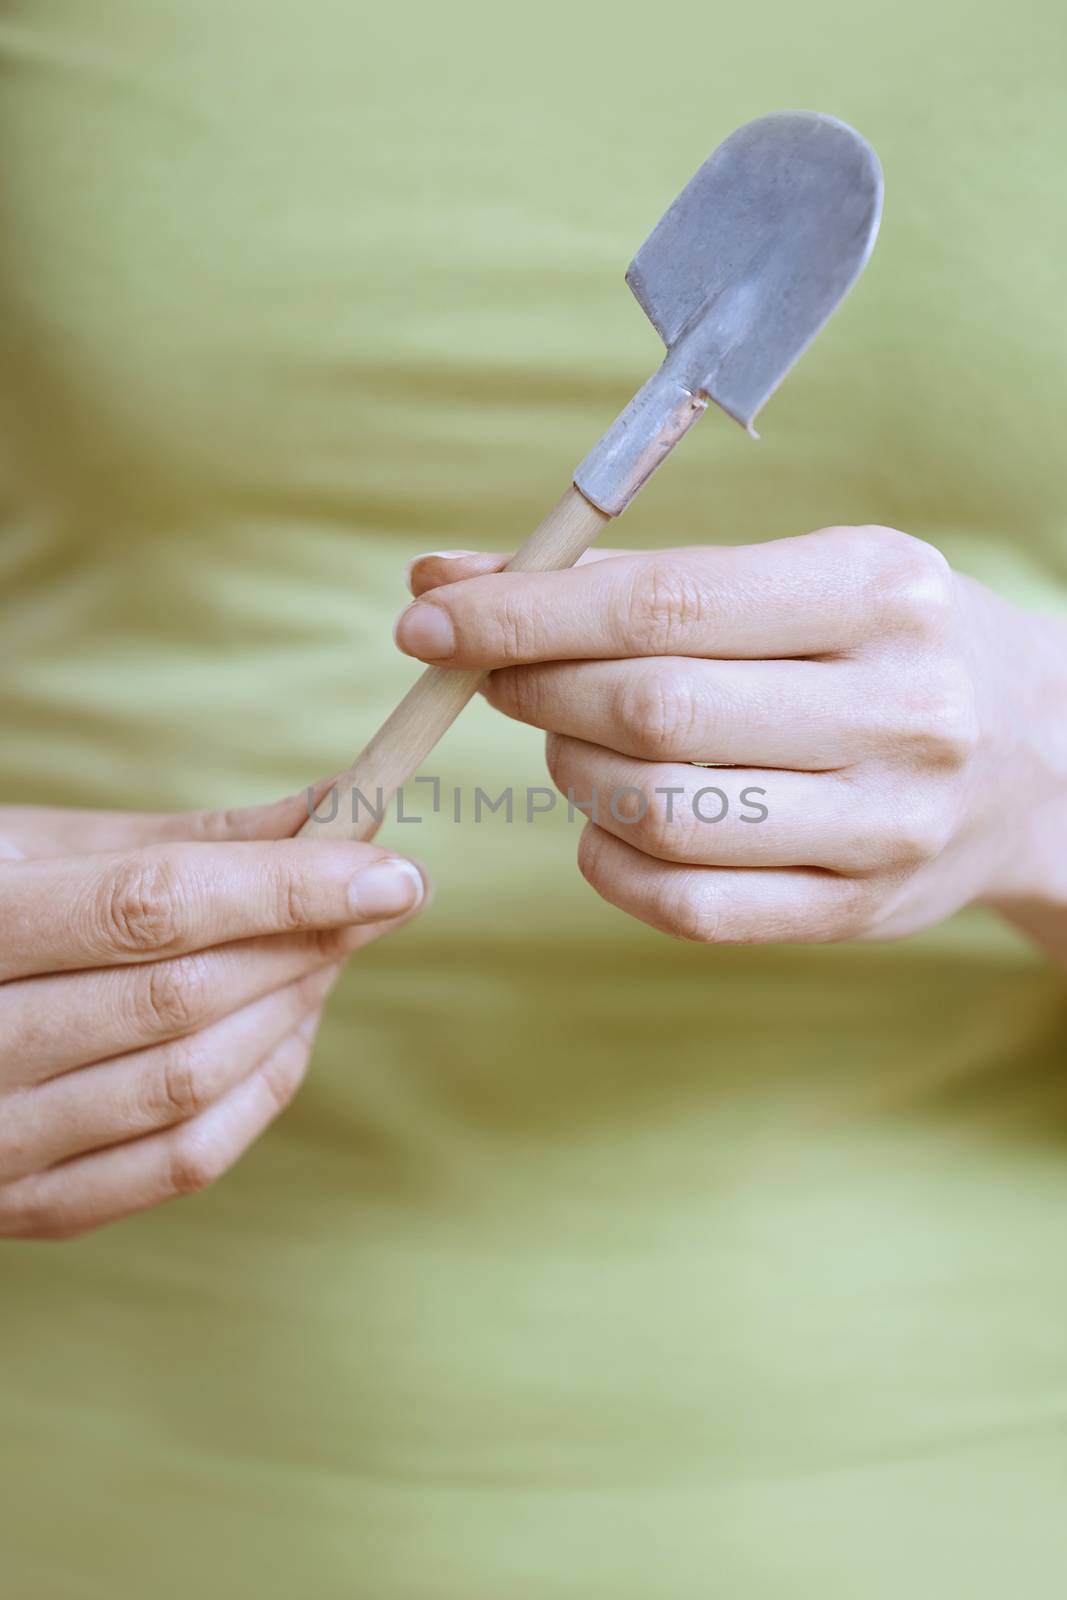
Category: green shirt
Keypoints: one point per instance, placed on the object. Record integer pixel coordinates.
(587, 1264)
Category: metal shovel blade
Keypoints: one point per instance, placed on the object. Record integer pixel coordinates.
(738, 277)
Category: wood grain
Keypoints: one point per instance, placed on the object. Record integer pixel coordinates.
(405, 739)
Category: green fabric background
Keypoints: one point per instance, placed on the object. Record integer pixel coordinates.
(587, 1264)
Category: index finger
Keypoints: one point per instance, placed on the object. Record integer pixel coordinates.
(819, 594)
(64, 913)
(49, 830)
(438, 567)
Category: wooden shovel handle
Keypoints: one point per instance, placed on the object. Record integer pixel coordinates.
(437, 698)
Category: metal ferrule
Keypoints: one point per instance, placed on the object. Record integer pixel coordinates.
(641, 437)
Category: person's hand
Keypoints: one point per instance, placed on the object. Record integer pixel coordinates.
(894, 735)
(161, 979)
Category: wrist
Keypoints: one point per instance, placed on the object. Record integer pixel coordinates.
(1029, 883)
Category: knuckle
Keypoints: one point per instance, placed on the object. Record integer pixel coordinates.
(282, 1078)
(916, 589)
(590, 852)
(925, 835)
(854, 912)
(194, 1164)
(690, 912)
(911, 837)
(294, 901)
(655, 711)
(173, 994)
(141, 906)
(215, 827)
(882, 553)
(879, 545)
(942, 725)
(666, 603)
(180, 1090)
(654, 834)
(515, 629)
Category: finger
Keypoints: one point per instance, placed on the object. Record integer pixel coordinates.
(164, 900)
(96, 1189)
(59, 830)
(808, 715)
(723, 906)
(58, 1022)
(739, 816)
(137, 1094)
(438, 567)
(825, 593)
(446, 566)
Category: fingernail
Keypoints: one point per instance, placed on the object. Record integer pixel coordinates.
(443, 555)
(438, 555)
(307, 1028)
(425, 630)
(387, 889)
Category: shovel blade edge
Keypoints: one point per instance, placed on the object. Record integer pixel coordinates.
(756, 253)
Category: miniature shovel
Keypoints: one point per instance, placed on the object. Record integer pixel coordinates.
(738, 277)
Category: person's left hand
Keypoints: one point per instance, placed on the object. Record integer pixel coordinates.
(892, 732)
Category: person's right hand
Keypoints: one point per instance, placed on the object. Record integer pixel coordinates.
(161, 979)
